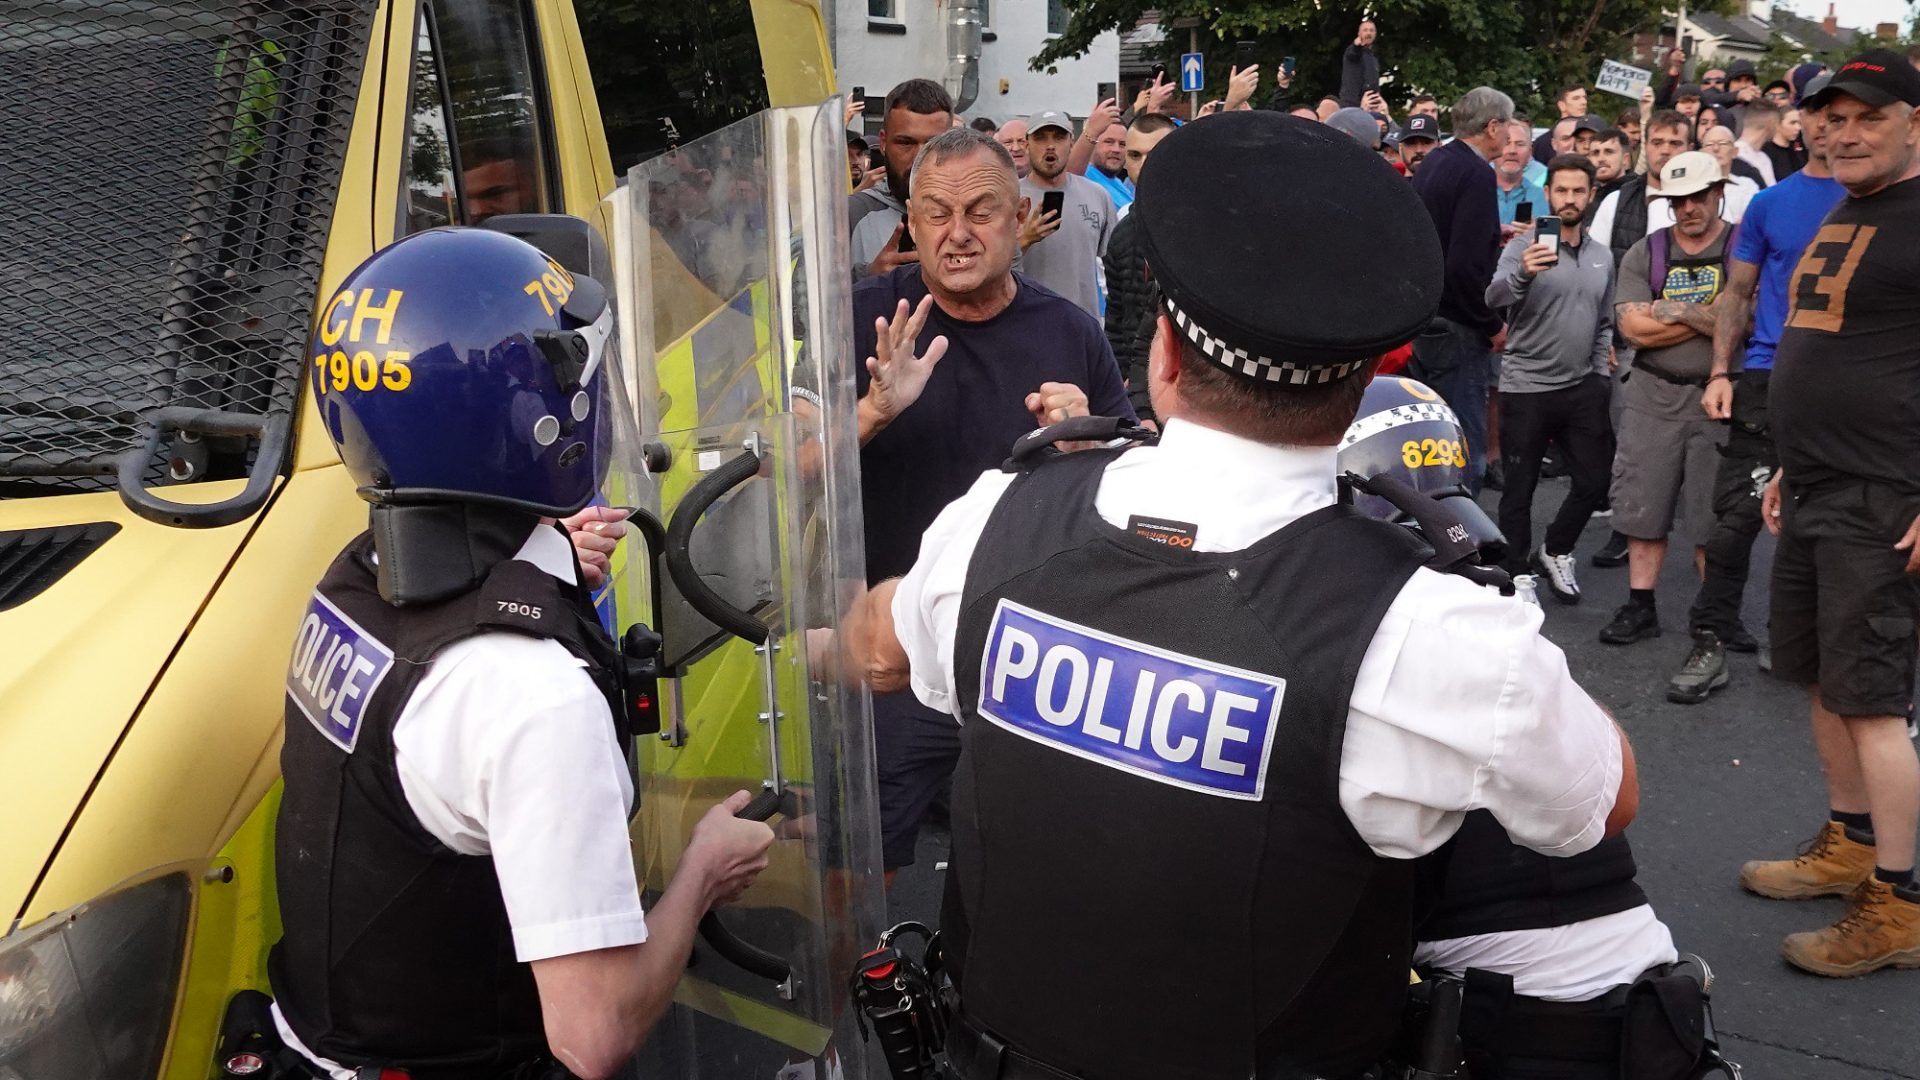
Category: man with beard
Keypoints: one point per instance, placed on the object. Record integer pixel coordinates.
(1556, 293)
(1016, 356)
(916, 111)
(1669, 450)
(1417, 139)
(1108, 168)
(1068, 260)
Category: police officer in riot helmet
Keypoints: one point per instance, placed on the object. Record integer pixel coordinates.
(454, 871)
(1550, 950)
(1210, 714)
(1405, 431)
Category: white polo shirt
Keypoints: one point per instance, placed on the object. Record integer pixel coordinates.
(507, 749)
(1459, 704)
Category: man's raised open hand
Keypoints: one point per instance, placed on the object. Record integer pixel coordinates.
(897, 376)
(1154, 96)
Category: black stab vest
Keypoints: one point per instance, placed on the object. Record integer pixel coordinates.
(397, 951)
(1488, 884)
(1132, 896)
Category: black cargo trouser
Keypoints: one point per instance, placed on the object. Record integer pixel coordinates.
(1747, 461)
(1576, 417)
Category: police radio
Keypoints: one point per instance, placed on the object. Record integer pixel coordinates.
(900, 998)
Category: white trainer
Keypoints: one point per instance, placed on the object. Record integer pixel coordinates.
(1556, 571)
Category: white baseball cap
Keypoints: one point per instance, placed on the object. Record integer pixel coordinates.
(1689, 174)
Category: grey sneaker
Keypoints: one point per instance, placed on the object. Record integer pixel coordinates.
(1704, 672)
(1556, 572)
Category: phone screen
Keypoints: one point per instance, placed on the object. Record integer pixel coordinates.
(1287, 65)
(1053, 202)
(1524, 211)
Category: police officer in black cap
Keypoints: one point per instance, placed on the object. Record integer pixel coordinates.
(1210, 713)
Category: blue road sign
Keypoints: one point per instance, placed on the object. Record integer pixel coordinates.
(1193, 72)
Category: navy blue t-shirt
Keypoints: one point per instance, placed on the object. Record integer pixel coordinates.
(974, 406)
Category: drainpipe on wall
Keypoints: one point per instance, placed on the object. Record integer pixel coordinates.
(963, 52)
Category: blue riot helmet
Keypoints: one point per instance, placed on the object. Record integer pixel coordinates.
(1405, 431)
(464, 366)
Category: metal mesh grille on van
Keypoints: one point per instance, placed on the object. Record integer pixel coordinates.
(167, 179)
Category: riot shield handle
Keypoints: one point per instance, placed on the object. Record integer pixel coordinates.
(698, 499)
(750, 958)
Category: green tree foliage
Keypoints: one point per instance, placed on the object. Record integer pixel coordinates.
(1528, 48)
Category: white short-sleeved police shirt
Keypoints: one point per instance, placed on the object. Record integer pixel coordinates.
(507, 749)
(1459, 704)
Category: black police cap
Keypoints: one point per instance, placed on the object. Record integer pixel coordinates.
(1285, 251)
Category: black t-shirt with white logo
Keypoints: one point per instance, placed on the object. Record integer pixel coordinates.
(1845, 394)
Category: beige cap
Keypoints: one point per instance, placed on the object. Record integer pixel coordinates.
(1689, 173)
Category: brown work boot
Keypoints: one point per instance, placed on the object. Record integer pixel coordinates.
(1831, 864)
(1881, 929)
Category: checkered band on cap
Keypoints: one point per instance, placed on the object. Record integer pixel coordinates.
(1262, 368)
(1418, 412)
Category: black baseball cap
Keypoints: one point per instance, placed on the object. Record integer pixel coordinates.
(1739, 68)
(1591, 123)
(1687, 90)
(1420, 126)
(1877, 77)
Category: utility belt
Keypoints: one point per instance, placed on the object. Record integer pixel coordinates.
(1658, 1027)
(250, 1046)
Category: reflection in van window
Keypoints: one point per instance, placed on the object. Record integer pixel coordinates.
(474, 60)
(667, 72)
(432, 198)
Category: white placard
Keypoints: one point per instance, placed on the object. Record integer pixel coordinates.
(1623, 79)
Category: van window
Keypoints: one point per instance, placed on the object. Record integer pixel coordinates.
(477, 140)
(667, 72)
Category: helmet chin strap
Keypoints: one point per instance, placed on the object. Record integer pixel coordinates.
(430, 551)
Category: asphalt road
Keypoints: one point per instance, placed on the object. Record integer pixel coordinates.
(1722, 782)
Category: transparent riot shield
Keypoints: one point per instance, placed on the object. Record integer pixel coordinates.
(737, 437)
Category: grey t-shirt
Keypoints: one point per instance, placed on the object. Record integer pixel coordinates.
(1560, 322)
(872, 215)
(1068, 261)
(1693, 279)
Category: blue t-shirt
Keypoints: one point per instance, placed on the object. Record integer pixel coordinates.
(974, 406)
(1525, 191)
(1120, 188)
(1779, 224)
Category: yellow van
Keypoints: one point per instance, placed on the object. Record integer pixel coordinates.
(179, 179)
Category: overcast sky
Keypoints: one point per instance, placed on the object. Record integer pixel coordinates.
(1861, 14)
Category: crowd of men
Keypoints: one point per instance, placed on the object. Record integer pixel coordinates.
(1615, 289)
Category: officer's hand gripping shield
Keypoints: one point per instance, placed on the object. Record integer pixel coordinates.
(736, 430)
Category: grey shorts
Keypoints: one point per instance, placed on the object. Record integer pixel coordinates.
(1663, 475)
